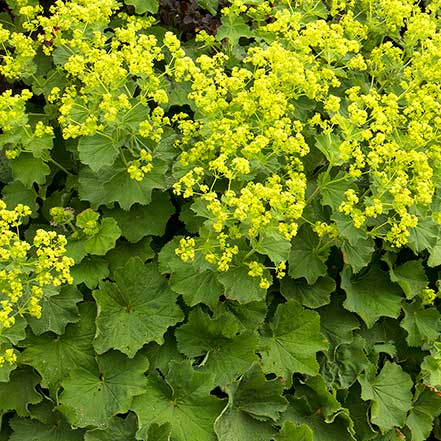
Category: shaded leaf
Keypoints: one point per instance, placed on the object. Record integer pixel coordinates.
(29, 170)
(181, 399)
(98, 151)
(239, 286)
(141, 221)
(311, 296)
(358, 255)
(297, 432)
(19, 392)
(411, 277)
(119, 429)
(58, 308)
(137, 309)
(306, 259)
(113, 184)
(252, 401)
(226, 353)
(292, 341)
(90, 271)
(54, 357)
(44, 424)
(92, 396)
(371, 296)
(426, 406)
(274, 246)
(423, 325)
(390, 393)
(196, 286)
(337, 324)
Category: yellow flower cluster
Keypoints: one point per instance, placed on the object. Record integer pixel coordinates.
(245, 153)
(245, 136)
(18, 134)
(428, 296)
(186, 249)
(18, 51)
(115, 89)
(242, 154)
(138, 168)
(25, 269)
(256, 269)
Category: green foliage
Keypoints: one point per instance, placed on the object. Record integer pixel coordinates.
(232, 236)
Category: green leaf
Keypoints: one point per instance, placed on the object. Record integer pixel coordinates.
(297, 432)
(105, 239)
(359, 411)
(306, 258)
(119, 429)
(359, 255)
(411, 277)
(56, 429)
(159, 432)
(435, 254)
(333, 190)
(143, 6)
(423, 236)
(141, 221)
(113, 184)
(323, 400)
(371, 296)
(29, 170)
(252, 401)
(248, 317)
(181, 399)
(19, 392)
(311, 296)
(274, 246)
(258, 397)
(328, 144)
(239, 286)
(196, 286)
(54, 357)
(5, 371)
(98, 151)
(168, 261)
(16, 193)
(337, 324)
(300, 412)
(137, 309)
(431, 370)
(292, 341)
(233, 27)
(160, 355)
(346, 229)
(426, 407)
(90, 271)
(15, 333)
(423, 325)
(92, 396)
(390, 393)
(350, 360)
(58, 308)
(226, 353)
(118, 256)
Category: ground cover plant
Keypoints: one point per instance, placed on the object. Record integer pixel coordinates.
(220, 220)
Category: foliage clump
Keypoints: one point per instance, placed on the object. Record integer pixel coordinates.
(220, 220)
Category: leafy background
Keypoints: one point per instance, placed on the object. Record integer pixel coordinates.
(145, 346)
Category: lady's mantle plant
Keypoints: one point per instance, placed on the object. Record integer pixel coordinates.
(249, 221)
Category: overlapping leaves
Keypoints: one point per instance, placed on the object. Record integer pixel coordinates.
(147, 346)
